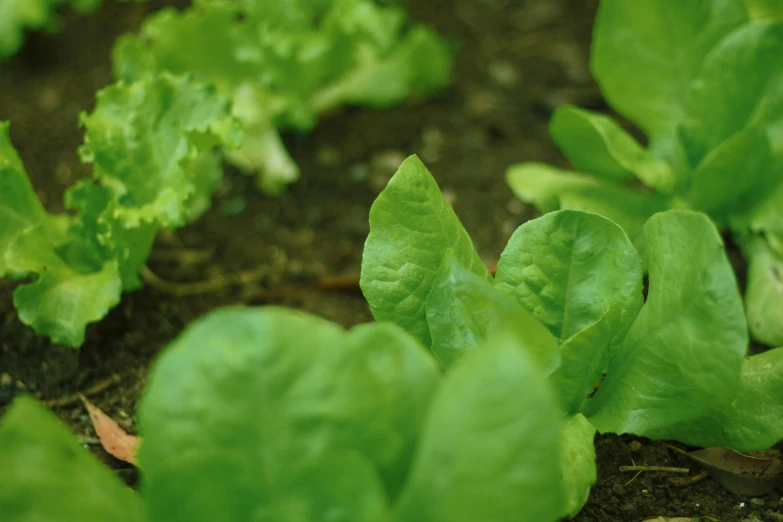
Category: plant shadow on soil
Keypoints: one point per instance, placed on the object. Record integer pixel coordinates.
(516, 62)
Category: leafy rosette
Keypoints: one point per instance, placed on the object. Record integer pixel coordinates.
(283, 64)
(152, 144)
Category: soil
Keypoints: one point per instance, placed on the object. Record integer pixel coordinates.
(518, 60)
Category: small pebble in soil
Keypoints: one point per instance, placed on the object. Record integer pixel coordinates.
(504, 73)
(635, 446)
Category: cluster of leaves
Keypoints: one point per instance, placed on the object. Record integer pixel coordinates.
(152, 144)
(570, 284)
(187, 85)
(285, 63)
(272, 414)
(704, 81)
(18, 16)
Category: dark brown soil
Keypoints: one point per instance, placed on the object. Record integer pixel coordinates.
(518, 60)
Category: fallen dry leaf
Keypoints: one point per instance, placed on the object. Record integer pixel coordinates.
(114, 439)
(741, 474)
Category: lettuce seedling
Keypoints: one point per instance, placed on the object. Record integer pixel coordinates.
(283, 64)
(18, 16)
(570, 285)
(704, 81)
(152, 145)
(274, 415)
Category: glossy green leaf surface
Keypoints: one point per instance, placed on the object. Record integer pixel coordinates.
(596, 144)
(683, 354)
(464, 309)
(412, 227)
(550, 188)
(568, 268)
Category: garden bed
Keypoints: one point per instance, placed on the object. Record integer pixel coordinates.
(517, 61)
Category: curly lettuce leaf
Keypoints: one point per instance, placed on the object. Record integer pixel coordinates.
(63, 297)
(147, 141)
(151, 143)
(284, 64)
(48, 476)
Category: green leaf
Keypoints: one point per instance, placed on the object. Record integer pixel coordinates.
(683, 354)
(19, 205)
(731, 86)
(146, 140)
(550, 188)
(284, 64)
(61, 300)
(464, 309)
(754, 419)
(420, 65)
(412, 227)
(645, 54)
(596, 144)
(489, 450)
(764, 293)
(735, 176)
(584, 357)
(48, 477)
(342, 485)
(568, 268)
(246, 400)
(577, 463)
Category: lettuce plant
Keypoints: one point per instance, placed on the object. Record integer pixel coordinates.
(569, 284)
(704, 81)
(283, 64)
(152, 146)
(275, 415)
(18, 16)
